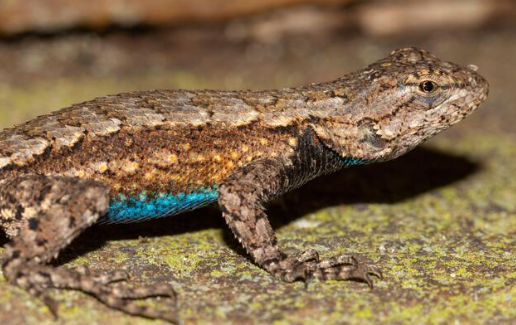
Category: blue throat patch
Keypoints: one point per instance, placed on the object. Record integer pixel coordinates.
(145, 206)
(349, 161)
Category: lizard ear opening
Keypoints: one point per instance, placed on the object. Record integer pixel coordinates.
(361, 143)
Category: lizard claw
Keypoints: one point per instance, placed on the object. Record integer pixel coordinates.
(51, 304)
(376, 271)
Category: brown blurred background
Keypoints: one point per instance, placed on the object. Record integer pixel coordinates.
(373, 17)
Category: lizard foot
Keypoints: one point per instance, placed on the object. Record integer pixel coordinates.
(108, 289)
(308, 266)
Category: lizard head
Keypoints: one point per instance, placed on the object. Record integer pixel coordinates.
(399, 102)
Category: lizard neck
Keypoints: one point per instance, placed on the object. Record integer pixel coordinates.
(312, 159)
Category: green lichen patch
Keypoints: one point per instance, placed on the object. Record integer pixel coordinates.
(440, 221)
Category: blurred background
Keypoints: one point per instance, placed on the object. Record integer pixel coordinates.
(441, 221)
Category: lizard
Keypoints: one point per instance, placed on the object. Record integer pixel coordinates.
(149, 154)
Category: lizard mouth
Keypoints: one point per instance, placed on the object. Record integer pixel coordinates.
(478, 84)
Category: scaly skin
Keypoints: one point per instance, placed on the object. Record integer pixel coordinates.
(141, 155)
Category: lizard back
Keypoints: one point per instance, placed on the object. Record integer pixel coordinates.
(160, 152)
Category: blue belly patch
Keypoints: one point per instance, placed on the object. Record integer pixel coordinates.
(150, 206)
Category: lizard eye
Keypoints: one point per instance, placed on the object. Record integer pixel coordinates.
(428, 86)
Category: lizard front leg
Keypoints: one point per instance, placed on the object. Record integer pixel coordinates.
(241, 198)
(43, 215)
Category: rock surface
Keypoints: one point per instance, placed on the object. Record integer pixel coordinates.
(441, 221)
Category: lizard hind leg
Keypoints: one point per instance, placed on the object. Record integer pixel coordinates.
(42, 215)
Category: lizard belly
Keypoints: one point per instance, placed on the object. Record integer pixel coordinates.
(145, 206)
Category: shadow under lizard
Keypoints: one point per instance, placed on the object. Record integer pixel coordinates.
(150, 154)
